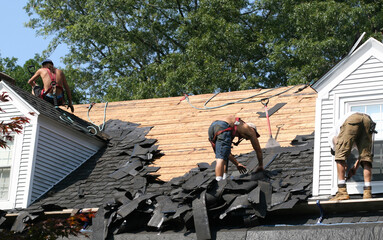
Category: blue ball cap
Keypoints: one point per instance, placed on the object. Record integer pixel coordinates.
(46, 61)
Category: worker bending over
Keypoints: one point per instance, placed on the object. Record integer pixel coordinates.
(353, 130)
(54, 83)
(221, 135)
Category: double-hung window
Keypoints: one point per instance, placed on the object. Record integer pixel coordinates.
(6, 156)
(375, 110)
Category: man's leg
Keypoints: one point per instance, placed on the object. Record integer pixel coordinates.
(342, 190)
(219, 168)
(225, 170)
(367, 180)
(341, 170)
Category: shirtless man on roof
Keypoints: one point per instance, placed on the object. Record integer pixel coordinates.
(54, 84)
(221, 135)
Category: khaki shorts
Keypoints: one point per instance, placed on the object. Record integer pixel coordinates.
(356, 129)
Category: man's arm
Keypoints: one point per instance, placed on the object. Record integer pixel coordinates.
(32, 80)
(68, 92)
(248, 133)
(257, 148)
(241, 168)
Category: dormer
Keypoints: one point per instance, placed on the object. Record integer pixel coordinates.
(50, 147)
(354, 84)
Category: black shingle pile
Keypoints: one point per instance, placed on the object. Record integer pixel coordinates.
(120, 181)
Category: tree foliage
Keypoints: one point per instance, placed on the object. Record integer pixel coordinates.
(17, 72)
(50, 228)
(14, 125)
(129, 49)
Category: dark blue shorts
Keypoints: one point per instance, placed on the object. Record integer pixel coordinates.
(223, 141)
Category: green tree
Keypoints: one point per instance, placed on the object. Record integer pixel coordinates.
(20, 74)
(129, 49)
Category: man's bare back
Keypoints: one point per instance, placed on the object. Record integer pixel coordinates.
(47, 72)
(243, 130)
(59, 76)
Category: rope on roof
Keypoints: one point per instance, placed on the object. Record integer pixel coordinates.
(101, 127)
(92, 130)
(238, 101)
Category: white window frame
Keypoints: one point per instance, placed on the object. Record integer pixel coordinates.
(9, 149)
(16, 155)
(345, 104)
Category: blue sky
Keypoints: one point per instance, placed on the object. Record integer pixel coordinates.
(21, 42)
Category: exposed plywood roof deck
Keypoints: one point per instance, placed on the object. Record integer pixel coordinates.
(181, 130)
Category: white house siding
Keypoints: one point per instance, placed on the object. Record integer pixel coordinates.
(18, 178)
(366, 79)
(24, 166)
(326, 161)
(56, 157)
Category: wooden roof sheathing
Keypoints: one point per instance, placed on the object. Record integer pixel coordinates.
(181, 130)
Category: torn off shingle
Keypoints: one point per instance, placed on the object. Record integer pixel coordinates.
(272, 110)
(128, 208)
(201, 219)
(239, 202)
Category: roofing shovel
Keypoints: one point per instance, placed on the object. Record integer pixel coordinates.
(272, 142)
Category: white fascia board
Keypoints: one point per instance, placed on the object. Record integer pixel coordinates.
(317, 147)
(19, 102)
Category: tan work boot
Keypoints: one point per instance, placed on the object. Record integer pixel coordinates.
(341, 195)
(367, 193)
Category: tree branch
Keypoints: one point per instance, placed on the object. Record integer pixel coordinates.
(179, 9)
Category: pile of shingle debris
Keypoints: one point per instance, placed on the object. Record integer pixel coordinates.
(195, 201)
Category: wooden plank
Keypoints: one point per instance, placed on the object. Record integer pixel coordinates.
(181, 130)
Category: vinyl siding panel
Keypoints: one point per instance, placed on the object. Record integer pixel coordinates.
(20, 164)
(56, 157)
(367, 78)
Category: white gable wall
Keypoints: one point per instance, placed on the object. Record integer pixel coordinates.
(359, 78)
(59, 151)
(21, 153)
(45, 152)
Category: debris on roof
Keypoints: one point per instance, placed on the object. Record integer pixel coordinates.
(119, 181)
(272, 110)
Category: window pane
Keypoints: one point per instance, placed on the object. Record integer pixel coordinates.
(6, 154)
(377, 165)
(4, 183)
(5, 157)
(374, 111)
(358, 109)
